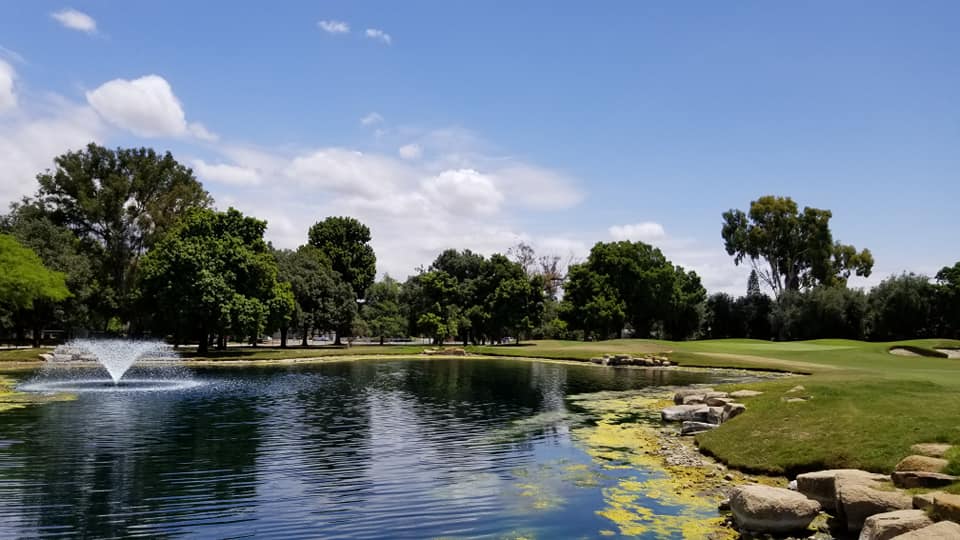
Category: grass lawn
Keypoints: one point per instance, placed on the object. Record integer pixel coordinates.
(868, 406)
(276, 353)
(22, 355)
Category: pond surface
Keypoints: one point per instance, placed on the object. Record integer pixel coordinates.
(370, 449)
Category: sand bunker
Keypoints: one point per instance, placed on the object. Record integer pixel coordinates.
(951, 353)
(902, 352)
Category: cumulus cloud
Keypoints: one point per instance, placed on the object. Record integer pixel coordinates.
(379, 35)
(146, 107)
(75, 20)
(28, 145)
(226, 174)
(371, 119)
(647, 231)
(348, 172)
(8, 97)
(410, 151)
(464, 190)
(537, 187)
(334, 27)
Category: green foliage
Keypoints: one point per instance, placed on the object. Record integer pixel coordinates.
(118, 203)
(821, 312)
(903, 307)
(382, 312)
(323, 300)
(797, 247)
(212, 273)
(24, 280)
(345, 242)
(631, 283)
(948, 301)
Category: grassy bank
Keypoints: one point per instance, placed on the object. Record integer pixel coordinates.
(867, 405)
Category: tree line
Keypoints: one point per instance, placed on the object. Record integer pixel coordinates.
(127, 242)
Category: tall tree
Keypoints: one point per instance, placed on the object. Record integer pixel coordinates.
(948, 300)
(118, 203)
(25, 282)
(210, 274)
(382, 310)
(790, 249)
(346, 243)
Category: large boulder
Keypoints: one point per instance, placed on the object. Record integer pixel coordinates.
(771, 509)
(930, 449)
(924, 501)
(684, 392)
(717, 401)
(681, 413)
(694, 399)
(920, 479)
(731, 410)
(946, 506)
(945, 530)
(921, 463)
(858, 501)
(692, 428)
(890, 524)
(821, 486)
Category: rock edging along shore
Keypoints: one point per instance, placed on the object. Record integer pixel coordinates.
(853, 502)
(628, 360)
(702, 409)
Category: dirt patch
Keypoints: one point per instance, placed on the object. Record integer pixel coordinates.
(899, 351)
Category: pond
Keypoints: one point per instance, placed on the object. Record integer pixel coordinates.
(369, 449)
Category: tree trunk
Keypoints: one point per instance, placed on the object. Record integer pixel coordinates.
(337, 339)
(304, 340)
(203, 347)
(222, 342)
(283, 337)
(381, 339)
(37, 334)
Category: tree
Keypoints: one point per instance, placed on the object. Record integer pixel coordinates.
(686, 305)
(902, 307)
(948, 301)
(345, 242)
(382, 311)
(118, 203)
(25, 282)
(797, 248)
(210, 274)
(591, 304)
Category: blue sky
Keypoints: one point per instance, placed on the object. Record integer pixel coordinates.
(453, 124)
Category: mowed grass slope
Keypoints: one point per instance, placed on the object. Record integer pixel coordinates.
(866, 406)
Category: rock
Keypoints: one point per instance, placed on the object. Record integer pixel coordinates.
(821, 486)
(924, 501)
(796, 400)
(692, 428)
(795, 389)
(921, 463)
(930, 449)
(597, 360)
(945, 530)
(709, 395)
(728, 477)
(724, 505)
(683, 392)
(858, 501)
(921, 479)
(770, 509)
(679, 413)
(693, 399)
(792, 485)
(46, 357)
(731, 410)
(715, 415)
(717, 401)
(946, 506)
(745, 393)
(890, 524)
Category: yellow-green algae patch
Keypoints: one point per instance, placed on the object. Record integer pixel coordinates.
(11, 399)
(661, 500)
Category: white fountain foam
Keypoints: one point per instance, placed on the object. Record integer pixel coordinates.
(115, 355)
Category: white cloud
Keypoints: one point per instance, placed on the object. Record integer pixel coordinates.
(8, 97)
(12, 55)
(334, 27)
(647, 231)
(226, 174)
(348, 172)
(464, 190)
(410, 151)
(75, 20)
(146, 107)
(371, 119)
(379, 35)
(536, 187)
(28, 145)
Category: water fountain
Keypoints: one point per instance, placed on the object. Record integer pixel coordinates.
(68, 368)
